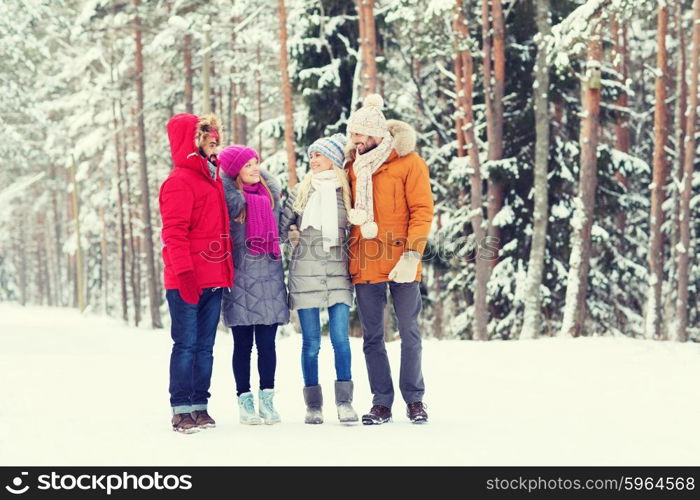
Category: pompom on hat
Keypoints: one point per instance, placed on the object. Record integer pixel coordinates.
(233, 158)
(369, 119)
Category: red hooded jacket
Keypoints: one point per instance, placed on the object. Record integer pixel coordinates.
(195, 232)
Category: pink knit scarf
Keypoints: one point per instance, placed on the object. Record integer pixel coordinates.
(262, 236)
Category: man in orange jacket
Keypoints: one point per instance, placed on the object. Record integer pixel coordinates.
(391, 218)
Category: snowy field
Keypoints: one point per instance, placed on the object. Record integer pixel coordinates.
(89, 391)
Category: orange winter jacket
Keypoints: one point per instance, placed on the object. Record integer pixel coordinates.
(403, 210)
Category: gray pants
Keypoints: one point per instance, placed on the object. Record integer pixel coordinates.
(371, 300)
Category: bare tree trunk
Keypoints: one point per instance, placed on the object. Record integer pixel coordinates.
(41, 279)
(21, 253)
(620, 56)
(153, 290)
(535, 268)
(622, 131)
(70, 257)
(206, 72)
(687, 184)
(368, 46)
(438, 309)
(187, 55)
(212, 95)
(656, 237)
(495, 138)
(677, 168)
(241, 120)
(104, 260)
(258, 79)
(133, 254)
(120, 216)
(237, 122)
(287, 95)
(464, 71)
(579, 261)
(486, 69)
(48, 261)
(119, 159)
(231, 112)
(79, 256)
(58, 239)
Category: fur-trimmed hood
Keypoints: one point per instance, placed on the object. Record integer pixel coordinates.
(185, 132)
(404, 139)
(207, 123)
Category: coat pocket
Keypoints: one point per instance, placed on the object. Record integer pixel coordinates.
(392, 248)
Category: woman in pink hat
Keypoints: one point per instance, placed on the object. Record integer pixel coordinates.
(257, 303)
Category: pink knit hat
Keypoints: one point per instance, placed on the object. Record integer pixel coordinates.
(233, 158)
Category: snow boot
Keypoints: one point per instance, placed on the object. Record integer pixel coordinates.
(313, 398)
(246, 406)
(267, 409)
(377, 415)
(182, 422)
(416, 412)
(202, 419)
(343, 401)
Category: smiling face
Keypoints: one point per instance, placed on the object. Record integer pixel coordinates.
(320, 162)
(364, 143)
(250, 173)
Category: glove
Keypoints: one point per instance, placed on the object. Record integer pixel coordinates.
(406, 268)
(189, 289)
(293, 235)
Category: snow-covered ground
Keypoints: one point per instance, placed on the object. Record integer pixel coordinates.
(88, 391)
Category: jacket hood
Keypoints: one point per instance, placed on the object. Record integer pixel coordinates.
(182, 130)
(404, 139)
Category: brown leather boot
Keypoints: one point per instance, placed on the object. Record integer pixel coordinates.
(416, 412)
(183, 422)
(377, 415)
(202, 419)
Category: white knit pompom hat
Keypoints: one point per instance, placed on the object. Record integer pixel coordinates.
(369, 119)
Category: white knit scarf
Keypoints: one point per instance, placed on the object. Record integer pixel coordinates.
(321, 211)
(364, 166)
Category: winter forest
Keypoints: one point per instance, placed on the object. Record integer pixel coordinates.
(561, 137)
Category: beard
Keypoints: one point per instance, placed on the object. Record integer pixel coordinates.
(367, 147)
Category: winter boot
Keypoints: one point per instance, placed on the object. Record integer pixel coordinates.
(416, 412)
(267, 409)
(377, 415)
(314, 402)
(246, 407)
(182, 422)
(343, 401)
(202, 419)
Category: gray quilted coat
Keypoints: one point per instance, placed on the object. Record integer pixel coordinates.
(317, 278)
(258, 296)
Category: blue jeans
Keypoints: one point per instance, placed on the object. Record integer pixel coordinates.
(264, 336)
(338, 315)
(193, 332)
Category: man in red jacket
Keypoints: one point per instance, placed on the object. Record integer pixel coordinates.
(197, 257)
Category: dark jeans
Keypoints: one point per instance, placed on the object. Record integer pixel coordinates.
(264, 336)
(371, 299)
(193, 332)
(338, 317)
